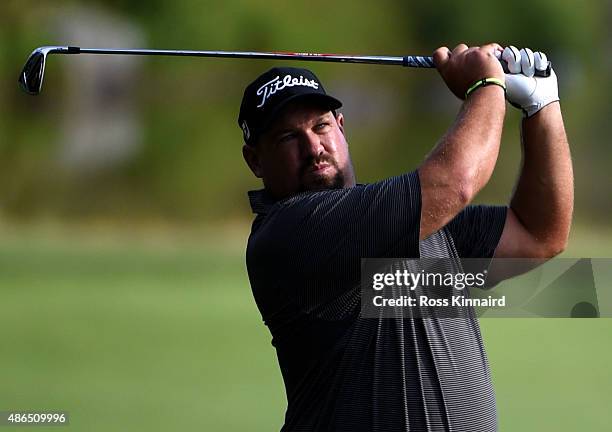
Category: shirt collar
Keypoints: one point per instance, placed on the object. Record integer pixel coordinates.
(260, 201)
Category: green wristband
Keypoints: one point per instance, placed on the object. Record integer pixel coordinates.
(485, 82)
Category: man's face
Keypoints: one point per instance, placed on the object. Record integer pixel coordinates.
(304, 150)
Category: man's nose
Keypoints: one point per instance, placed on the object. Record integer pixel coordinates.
(311, 145)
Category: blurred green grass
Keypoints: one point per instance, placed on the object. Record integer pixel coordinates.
(143, 330)
(135, 338)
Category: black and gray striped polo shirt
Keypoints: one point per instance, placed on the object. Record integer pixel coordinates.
(343, 372)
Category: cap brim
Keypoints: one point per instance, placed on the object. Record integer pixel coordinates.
(326, 100)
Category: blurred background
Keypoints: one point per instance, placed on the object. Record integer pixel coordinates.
(124, 298)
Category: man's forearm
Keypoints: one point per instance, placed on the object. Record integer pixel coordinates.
(470, 148)
(462, 162)
(543, 199)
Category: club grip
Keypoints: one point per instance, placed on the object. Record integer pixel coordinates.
(427, 62)
(418, 61)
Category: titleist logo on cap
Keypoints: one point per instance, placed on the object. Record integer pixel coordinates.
(275, 85)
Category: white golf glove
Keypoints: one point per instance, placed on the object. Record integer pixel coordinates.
(524, 90)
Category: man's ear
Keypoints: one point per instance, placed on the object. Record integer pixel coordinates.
(252, 159)
(340, 120)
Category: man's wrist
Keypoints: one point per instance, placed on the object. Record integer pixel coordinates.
(485, 82)
(489, 93)
(544, 113)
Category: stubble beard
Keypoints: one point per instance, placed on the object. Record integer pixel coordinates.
(336, 181)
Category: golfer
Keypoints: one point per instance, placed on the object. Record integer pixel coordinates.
(314, 223)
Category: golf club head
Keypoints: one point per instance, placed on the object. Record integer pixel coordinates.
(33, 72)
(31, 78)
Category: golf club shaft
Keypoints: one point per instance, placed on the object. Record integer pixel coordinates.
(409, 61)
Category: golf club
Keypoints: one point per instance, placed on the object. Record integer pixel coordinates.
(31, 77)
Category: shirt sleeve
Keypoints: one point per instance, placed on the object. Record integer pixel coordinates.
(477, 229)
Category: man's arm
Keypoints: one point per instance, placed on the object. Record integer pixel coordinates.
(462, 162)
(540, 213)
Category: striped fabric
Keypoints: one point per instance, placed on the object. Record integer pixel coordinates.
(343, 372)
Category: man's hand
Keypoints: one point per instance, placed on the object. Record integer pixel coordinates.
(524, 90)
(463, 66)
